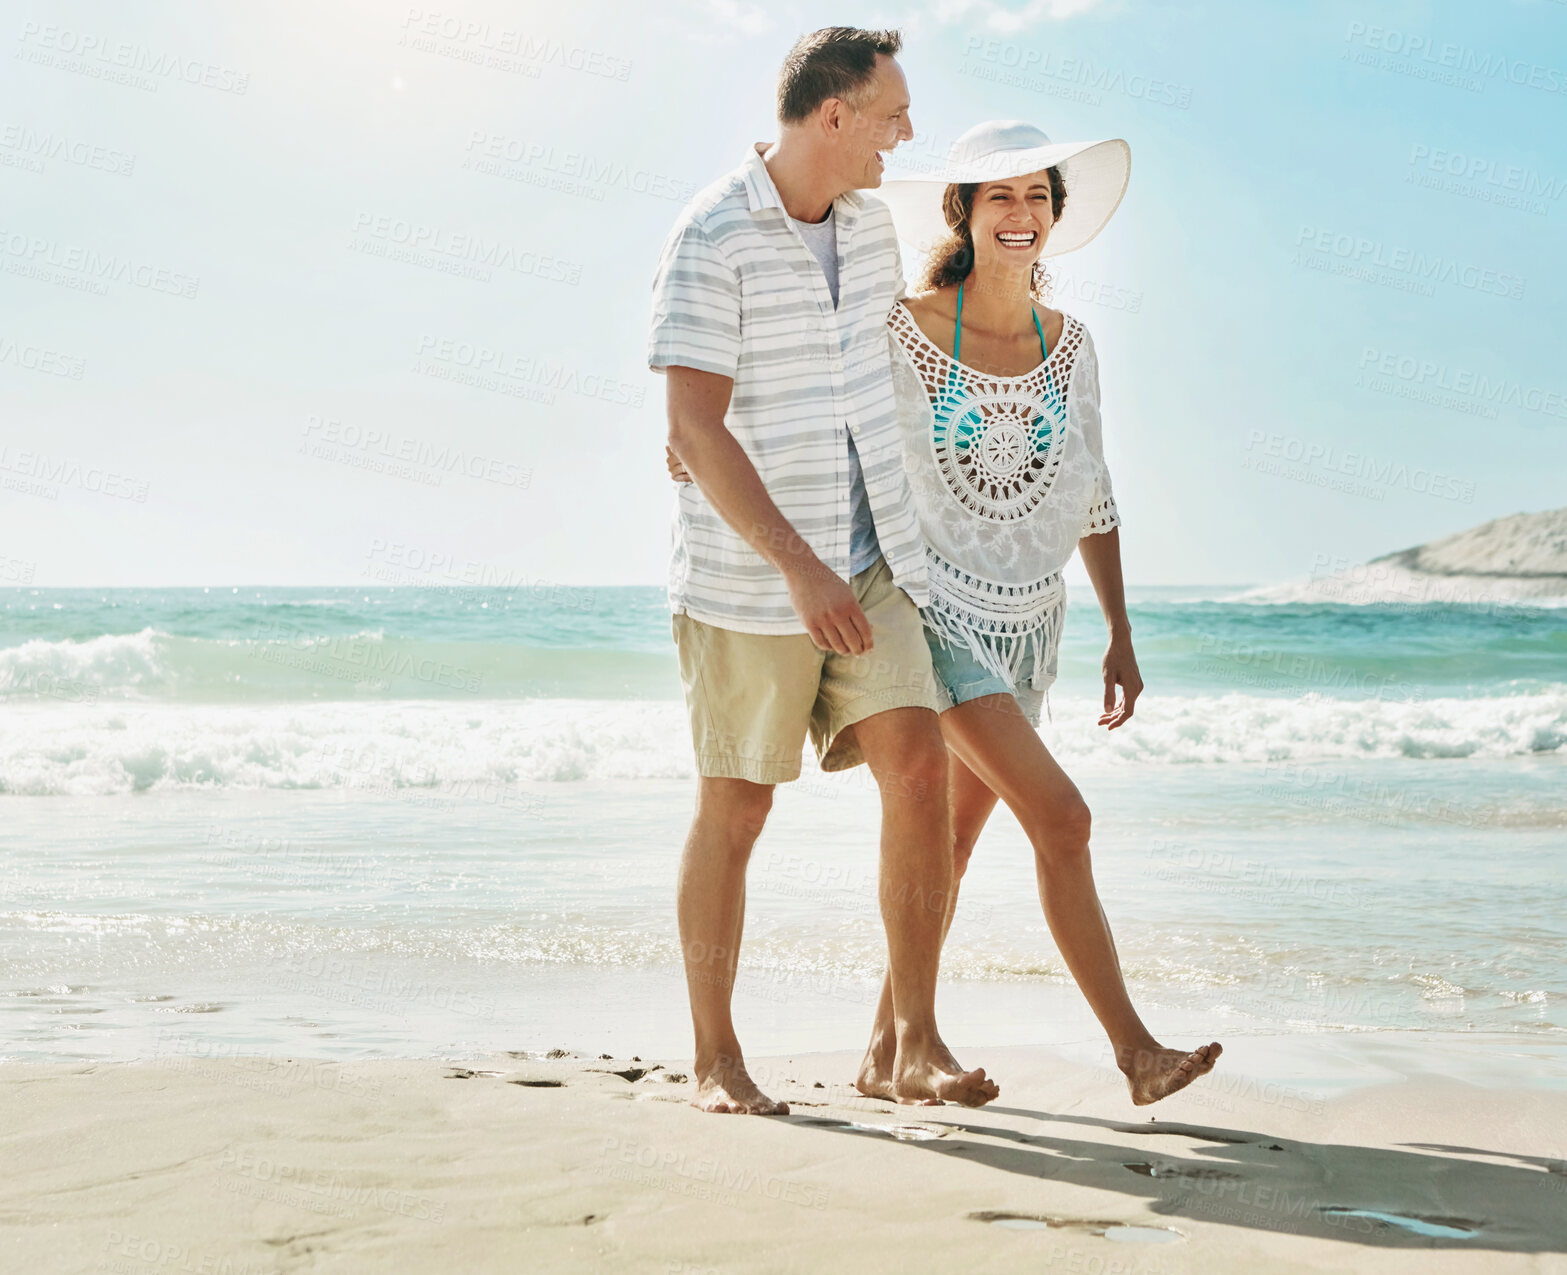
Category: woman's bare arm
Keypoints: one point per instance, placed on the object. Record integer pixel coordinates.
(1102, 556)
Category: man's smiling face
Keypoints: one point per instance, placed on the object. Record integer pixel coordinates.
(879, 124)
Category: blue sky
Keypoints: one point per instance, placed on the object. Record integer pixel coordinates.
(248, 334)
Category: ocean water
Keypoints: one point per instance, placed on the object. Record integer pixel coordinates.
(439, 820)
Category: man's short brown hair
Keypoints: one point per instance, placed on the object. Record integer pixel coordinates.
(833, 62)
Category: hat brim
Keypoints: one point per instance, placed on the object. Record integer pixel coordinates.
(1095, 174)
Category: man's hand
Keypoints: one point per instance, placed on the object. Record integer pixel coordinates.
(829, 610)
(1120, 669)
(825, 604)
(697, 402)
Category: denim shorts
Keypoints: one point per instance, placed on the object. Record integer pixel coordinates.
(960, 677)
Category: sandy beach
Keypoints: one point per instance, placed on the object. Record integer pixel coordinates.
(365, 672)
(526, 1161)
(267, 949)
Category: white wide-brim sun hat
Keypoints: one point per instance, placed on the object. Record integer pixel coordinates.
(1095, 174)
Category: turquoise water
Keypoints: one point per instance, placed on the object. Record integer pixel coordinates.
(415, 820)
(213, 644)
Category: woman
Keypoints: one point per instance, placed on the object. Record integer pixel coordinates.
(998, 402)
(998, 399)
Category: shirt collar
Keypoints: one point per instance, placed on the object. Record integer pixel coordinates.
(761, 192)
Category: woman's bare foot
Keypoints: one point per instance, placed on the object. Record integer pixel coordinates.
(728, 1089)
(928, 1075)
(1156, 1072)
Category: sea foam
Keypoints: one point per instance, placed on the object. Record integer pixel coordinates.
(97, 749)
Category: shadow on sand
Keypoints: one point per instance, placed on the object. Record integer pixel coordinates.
(1366, 1195)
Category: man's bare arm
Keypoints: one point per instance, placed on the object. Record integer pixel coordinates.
(696, 402)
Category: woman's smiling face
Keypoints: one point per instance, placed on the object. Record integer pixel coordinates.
(1011, 220)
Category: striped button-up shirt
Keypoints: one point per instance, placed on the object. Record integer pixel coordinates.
(739, 293)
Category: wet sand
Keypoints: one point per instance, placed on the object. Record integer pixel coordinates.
(571, 1163)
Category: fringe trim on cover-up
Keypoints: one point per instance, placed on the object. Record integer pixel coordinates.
(1002, 624)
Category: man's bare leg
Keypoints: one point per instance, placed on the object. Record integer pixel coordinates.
(971, 803)
(729, 817)
(905, 751)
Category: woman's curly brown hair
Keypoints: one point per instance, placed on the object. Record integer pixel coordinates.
(951, 261)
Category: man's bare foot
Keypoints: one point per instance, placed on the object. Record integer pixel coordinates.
(727, 1088)
(1152, 1074)
(875, 1078)
(929, 1076)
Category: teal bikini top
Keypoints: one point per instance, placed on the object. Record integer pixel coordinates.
(969, 429)
(957, 330)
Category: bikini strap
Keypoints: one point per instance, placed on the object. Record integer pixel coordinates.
(957, 335)
(957, 341)
(957, 329)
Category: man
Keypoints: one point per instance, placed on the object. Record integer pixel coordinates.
(797, 562)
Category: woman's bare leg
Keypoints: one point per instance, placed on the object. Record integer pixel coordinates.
(997, 745)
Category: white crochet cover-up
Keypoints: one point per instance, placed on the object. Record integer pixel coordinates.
(1008, 474)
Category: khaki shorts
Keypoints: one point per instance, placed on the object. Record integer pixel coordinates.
(753, 696)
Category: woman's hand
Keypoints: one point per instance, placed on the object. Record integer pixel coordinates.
(677, 471)
(1102, 556)
(1120, 669)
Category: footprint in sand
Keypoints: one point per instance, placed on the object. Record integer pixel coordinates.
(1116, 1232)
(1438, 1228)
(1159, 1169)
(630, 1074)
(902, 1132)
(1182, 1131)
